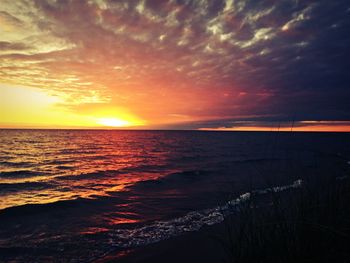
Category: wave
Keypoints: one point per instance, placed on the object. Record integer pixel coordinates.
(65, 167)
(13, 187)
(97, 174)
(78, 151)
(87, 176)
(59, 162)
(171, 180)
(28, 209)
(258, 160)
(16, 164)
(20, 173)
(193, 221)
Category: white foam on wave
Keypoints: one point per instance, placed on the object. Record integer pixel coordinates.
(192, 221)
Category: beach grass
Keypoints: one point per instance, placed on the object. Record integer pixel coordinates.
(308, 224)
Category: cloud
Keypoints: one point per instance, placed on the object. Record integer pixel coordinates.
(178, 58)
(9, 22)
(9, 46)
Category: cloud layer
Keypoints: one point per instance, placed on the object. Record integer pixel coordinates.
(180, 62)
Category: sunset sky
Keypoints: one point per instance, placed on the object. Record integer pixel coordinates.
(175, 64)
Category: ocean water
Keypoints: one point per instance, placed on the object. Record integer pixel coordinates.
(76, 195)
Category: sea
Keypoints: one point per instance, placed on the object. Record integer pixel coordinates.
(78, 195)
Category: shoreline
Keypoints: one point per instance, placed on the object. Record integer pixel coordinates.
(299, 218)
(204, 248)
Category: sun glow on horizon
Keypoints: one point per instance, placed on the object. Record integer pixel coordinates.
(27, 107)
(114, 122)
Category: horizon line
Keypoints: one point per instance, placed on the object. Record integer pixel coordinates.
(289, 130)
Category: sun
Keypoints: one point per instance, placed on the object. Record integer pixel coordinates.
(113, 122)
(115, 118)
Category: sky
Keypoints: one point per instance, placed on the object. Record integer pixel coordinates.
(175, 64)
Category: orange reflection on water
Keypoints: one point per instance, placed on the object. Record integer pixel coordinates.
(93, 230)
(114, 257)
(122, 215)
(49, 166)
(121, 220)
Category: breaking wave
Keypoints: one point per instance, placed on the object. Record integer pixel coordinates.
(192, 221)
